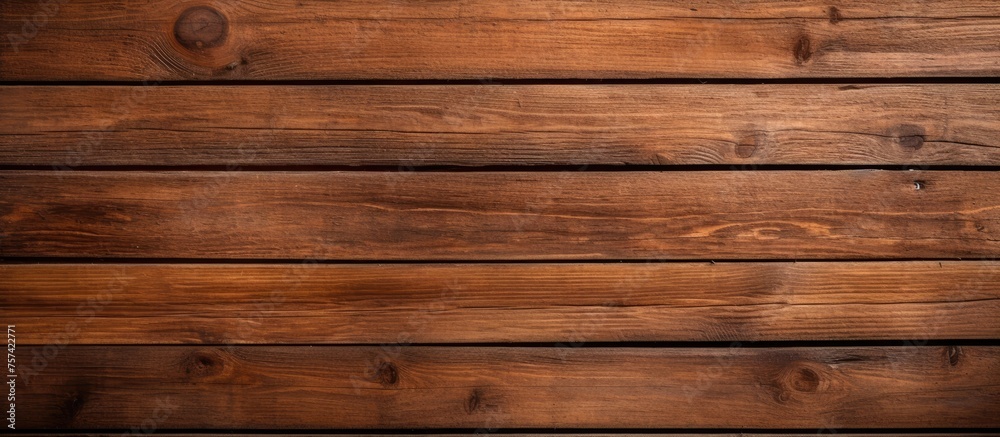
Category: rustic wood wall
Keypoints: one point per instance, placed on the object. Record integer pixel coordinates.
(775, 217)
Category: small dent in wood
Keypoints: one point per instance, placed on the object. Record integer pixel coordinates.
(474, 400)
(201, 27)
(834, 14)
(803, 50)
(955, 354)
(242, 62)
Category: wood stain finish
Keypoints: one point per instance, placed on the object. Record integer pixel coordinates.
(602, 218)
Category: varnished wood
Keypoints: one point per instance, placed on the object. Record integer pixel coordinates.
(484, 388)
(501, 215)
(391, 39)
(208, 312)
(740, 125)
(354, 304)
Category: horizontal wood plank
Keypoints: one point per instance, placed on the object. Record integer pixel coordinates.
(393, 39)
(484, 388)
(573, 303)
(926, 124)
(710, 215)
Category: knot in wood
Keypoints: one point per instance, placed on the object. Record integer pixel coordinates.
(798, 380)
(802, 51)
(201, 27)
(910, 136)
(954, 355)
(386, 374)
(201, 364)
(804, 380)
(748, 145)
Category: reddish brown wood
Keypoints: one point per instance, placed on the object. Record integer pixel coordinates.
(483, 388)
(393, 39)
(284, 346)
(353, 304)
(403, 126)
(501, 215)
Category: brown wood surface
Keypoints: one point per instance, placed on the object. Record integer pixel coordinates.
(308, 387)
(711, 215)
(308, 288)
(926, 124)
(573, 303)
(406, 39)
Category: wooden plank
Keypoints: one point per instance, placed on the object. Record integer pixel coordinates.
(311, 387)
(404, 39)
(926, 124)
(488, 303)
(849, 214)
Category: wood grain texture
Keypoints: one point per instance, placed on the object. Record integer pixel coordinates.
(573, 303)
(305, 387)
(713, 215)
(405, 39)
(927, 124)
